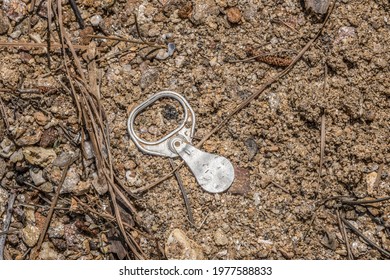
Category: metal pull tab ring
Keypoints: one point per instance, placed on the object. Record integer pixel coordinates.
(214, 173)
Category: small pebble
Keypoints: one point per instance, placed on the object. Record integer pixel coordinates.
(39, 156)
(7, 147)
(180, 247)
(40, 118)
(46, 187)
(148, 78)
(233, 15)
(37, 177)
(317, 6)
(17, 156)
(96, 20)
(3, 168)
(4, 23)
(220, 237)
(48, 138)
(252, 148)
(15, 9)
(30, 235)
(3, 200)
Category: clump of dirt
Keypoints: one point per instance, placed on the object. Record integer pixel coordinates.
(288, 212)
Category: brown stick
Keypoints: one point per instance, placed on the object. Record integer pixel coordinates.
(54, 203)
(40, 45)
(345, 236)
(125, 40)
(183, 192)
(363, 201)
(323, 131)
(365, 238)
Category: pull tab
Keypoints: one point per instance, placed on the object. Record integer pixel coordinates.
(214, 173)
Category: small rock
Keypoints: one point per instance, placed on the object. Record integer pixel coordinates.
(29, 216)
(15, 9)
(274, 101)
(185, 11)
(99, 185)
(164, 54)
(96, 20)
(17, 156)
(42, 11)
(133, 178)
(272, 149)
(3, 200)
(59, 244)
(256, 198)
(84, 35)
(179, 61)
(202, 10)
(82, 188)
(40, 118)
(233, 15)
(39, 156)
(180, 247)
(220, 238)
(370, 180)
(49, 137)
(16, 34)
(358, 248)
(29, 140)
(37, 177)
(88, 148)
(30, 235)
(63, 159)
(3, 168)
(46, 187)
(56, 229)
(7, 147)
(373, 211)
(287, 255)
(317, 6)
(345, 33)
(213, 61)
(170, 112)
(47, 252)
(71, 182)
(13, 239)
(4, 23)
(148, 78)
(252, 148)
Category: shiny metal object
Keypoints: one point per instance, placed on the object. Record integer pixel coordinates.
(214, 173)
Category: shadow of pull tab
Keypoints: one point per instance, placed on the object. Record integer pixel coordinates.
(214, 173)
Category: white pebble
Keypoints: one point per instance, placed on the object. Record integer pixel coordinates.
(96, 20)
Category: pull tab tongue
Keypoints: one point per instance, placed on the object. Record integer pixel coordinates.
(214, 173)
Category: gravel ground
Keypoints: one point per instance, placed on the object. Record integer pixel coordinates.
(281, 208)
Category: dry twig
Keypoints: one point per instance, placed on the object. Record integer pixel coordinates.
(183, 192)
(364, 201)
(366, 239)
(345, 236)
(125, 40)
(323, 131)
(54, 203)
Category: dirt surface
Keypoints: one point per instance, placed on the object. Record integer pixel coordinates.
(283, 210)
